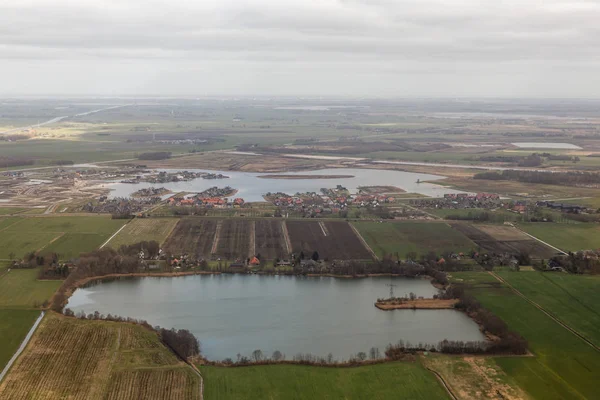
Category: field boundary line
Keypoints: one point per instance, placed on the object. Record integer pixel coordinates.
(539, 240)
(253, 238)
(536, 305)
(50, 242)
(363, 241)
(215, 245)
(323, 228)
(22, 346)
(443, 382)
(169, 233)
(286, 237)
(115, 234)
(195, 369)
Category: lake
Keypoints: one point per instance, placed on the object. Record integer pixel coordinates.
(546, 145)
(233, 314)
(252, 187)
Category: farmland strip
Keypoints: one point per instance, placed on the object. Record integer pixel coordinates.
(286, 237)
(253, 238)
(364, 242)
(213, 250)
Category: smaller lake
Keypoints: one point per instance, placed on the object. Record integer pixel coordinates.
(233, 314)
(252, 187)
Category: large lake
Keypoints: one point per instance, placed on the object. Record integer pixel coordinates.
(233, 314)
(252, 187)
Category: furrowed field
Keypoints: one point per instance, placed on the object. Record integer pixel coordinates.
(573, 299)
(567, 237)
(67, 236)
(397, 380)
(144, 229)
(564, 366)
(97, 360)
(402, 238)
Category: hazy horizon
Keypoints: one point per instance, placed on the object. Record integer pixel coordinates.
(329, 48)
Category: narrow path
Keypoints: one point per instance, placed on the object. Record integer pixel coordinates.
(539, 240)
(286, 237)
(115, 234)
(536, 305)
(364, 242)
(323, 228)
(195, 369)
(253, 238)
(215, 245)
(23, 345)
(443, 382)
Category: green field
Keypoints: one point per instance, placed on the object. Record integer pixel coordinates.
(141, 229)
(20, 288)
(14, 325)
(12, 210)
(564, 366)
(573, 299)
(398, 380)
(567, 237)
(67, 236)
(405, 237)
(498, 216)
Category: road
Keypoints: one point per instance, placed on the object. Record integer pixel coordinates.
(62, 118)
(23, 345)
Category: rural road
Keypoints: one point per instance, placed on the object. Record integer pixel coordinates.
(23, 345)
(536, 305)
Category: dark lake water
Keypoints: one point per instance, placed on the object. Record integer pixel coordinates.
(233, 314)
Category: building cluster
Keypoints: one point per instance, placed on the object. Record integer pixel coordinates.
(461, 200)
(120, 205)
(208, 202)
(563, 207)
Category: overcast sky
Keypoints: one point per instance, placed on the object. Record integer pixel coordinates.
(378, 48)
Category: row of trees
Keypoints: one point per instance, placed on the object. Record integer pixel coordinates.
(155, 155)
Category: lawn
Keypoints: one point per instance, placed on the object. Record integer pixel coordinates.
(20, 288)
(398, 380)
(144, 229)
(68, 236)
(564, 366)
(402, 238)
(567, 237)
(14, 325)
(573, 299)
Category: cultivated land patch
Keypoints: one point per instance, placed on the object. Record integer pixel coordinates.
(67, 236)
(14, 325)
(474, 377)
(567, 237)
(504, 239)
(194, 236)
(235, 239)
(270, 240)
(20, 288)
(573, 299)
(334, 240)
(404, 237)
(396, 380)
(564, 366)
(70, 358)
(144, 229)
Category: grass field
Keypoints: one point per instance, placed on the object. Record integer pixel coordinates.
(14, 325)
(398, 380)
(70, 358)
(12, 210)
(68, 236)
(498, 216)
(141, 229)
(564, 367)
(20, 288)
(404, 237)
(567, 237)
(573, 299)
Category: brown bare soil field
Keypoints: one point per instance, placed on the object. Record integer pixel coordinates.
(334, 240)
(269, 240)
(234, 239)
(194, 236)
(497, 239)
(69, 358)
